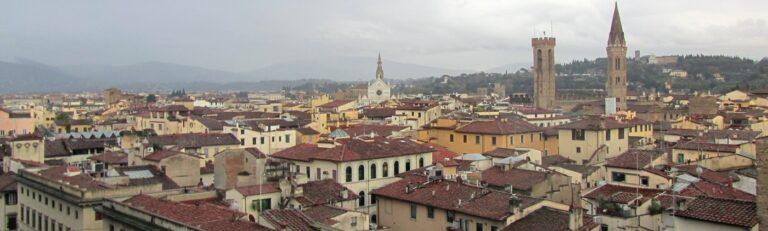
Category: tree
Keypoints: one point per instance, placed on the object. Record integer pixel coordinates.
(151, 98)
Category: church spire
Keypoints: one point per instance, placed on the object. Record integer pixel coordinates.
(616, 37)
(379, 70)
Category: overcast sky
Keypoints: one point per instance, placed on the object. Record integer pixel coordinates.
(473, 34)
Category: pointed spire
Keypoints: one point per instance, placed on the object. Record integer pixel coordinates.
(379, 70)
(616, 37)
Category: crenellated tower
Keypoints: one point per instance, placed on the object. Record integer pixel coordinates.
(543, 72)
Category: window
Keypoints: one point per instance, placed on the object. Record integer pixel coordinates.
(413, 211)
(407, 165)
(618, 177)
(348, 174)
(621, 133)
(511, 140)
(450, 216)
(373, 171)
(242, 131)
(397, 168)
(578, 149)
(361, 172)
(361, 200)
(479, 226)
(450, 137)
(242, 141)
(261, 204)
(465, 138)
(261, 139)
(522, 139)
(373, 198)
(287, 138)
(494, 228)
(430, 212)
(10, 199)
(493, 140)
(477, 139)
(11, 222)
(608, 134)
(309, 175)
(385, 169)
(252, 141)
(604, 227)
(644, 180)
(577, 134)
(680, 158)
(421, 162)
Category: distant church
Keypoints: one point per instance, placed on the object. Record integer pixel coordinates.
(378, 89)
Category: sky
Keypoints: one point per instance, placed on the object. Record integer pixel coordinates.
(241, 35)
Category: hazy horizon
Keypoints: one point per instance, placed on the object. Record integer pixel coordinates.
(462, 35)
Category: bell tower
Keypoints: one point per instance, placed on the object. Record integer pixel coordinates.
(543, 72)
(616, 83)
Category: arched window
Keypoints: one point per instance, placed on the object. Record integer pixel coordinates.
(618, 63)
(551, 58)
(397, 168)
(385, 169)
(373, 218)
(361, 200)
(361, 172)
(407, 165)
(539, 59)
(373, 171)
(421, 162)
(348, 174)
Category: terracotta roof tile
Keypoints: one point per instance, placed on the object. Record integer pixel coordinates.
(455, 196)
(354, 149)
(204, 216)
(724, 211)
(499, 127)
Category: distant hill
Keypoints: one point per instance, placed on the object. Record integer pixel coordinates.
(151, 72)
(346, 68)
(25, 76)
(509, 68)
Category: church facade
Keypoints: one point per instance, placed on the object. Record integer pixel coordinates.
(378, 89)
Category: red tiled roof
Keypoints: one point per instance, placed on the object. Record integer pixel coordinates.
(723, 211)
(110, 157)
(709, 189)
(288, 219)
(634, 159)
(324, 214)
(367, 129)
(520, 179)
(504, 152)
(704, 146)
(549, 219)
(335, 103)
(258, 189)
(441, 153)
(351, 149)
(323, 192)
(195, 140)
(623, 194)
(162, 154)
(445, 194)
(499, 127)
(378, 112)
(205, 216)
(706, 174)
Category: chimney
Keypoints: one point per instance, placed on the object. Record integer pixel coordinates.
(575, 218)
(514, 204)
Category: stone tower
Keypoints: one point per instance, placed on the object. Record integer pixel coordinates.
(616, 83)
(543, 72)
